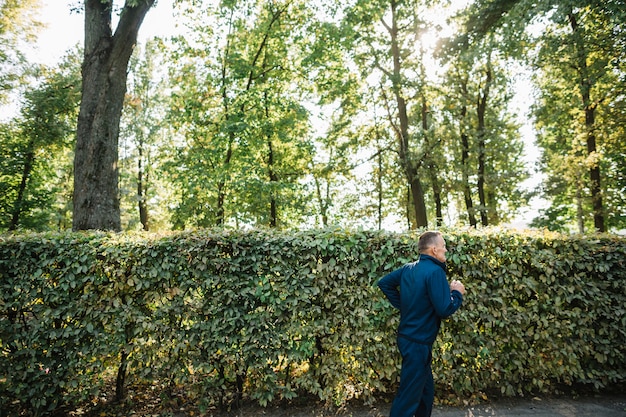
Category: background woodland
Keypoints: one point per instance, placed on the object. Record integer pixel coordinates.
(378, 114)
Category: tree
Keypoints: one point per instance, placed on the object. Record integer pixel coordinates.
(248, 79)
(485, 145)
(279, 127)
(434, 157)
(237, 104)
(34, 147)
(385, 42)
(142, 135)
(105, 66)
(17, 26)
(581, 51)
(578, 93)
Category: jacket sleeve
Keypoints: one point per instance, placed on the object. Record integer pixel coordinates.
(390, 286)
(446, 302)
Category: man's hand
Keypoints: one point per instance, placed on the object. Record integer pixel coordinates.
(458, 286)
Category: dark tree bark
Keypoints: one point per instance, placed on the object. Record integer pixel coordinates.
(407, 158)
(271, 172)
(29, 161)
(433, 168)
(586, 82)
(220, 213)
(481, 108)
(105, 65)
(229, 114)
(467, 192)
(142, 187)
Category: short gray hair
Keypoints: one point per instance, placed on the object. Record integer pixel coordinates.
(426, 240)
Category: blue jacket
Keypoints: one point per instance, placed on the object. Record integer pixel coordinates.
(422, 293)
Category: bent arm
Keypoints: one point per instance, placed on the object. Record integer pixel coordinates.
(390, 286)
(446, 302)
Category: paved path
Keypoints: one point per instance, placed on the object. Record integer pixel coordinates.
(613, 405)
(609, 406)
(598, 406)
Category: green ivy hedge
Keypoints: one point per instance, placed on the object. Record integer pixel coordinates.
(267, 315)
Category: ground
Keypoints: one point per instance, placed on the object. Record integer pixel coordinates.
(611, 403)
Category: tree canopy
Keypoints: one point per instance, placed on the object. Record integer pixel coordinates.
(299, 113)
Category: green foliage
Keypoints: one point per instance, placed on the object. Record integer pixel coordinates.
(268, 316)
(578, 116)
(143, 128)
(480, 131)
(237, 103)
(579, 64)
(541, 312)
(18, 25)
(35, 162)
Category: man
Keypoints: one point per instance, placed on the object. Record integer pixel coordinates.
(421, 292)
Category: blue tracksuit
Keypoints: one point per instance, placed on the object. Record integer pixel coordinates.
(420, 290)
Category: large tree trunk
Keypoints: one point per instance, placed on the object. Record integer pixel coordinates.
(106, 56)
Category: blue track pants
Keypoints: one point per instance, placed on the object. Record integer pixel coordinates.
(416, 394)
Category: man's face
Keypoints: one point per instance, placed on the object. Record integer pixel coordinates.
(439, 250)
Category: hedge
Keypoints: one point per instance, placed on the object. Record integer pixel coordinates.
(267, 315)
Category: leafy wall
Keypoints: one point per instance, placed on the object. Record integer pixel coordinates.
(267, 315)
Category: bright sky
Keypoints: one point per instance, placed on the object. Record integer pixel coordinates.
(65, 29)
